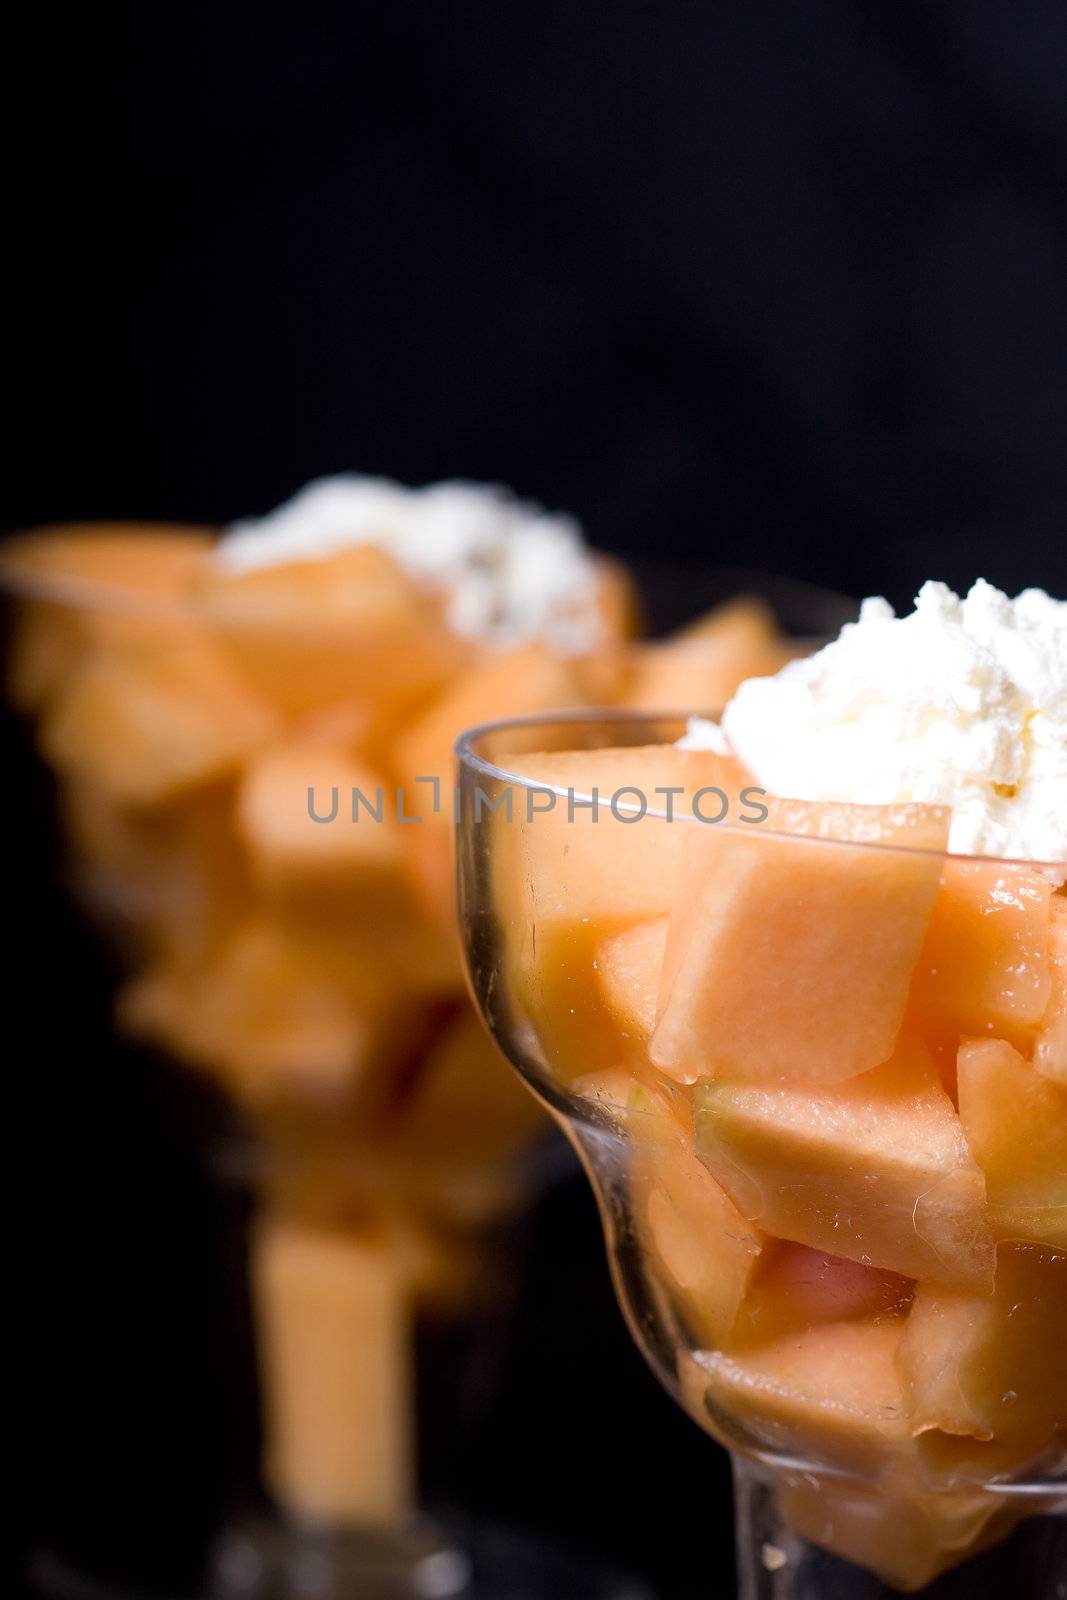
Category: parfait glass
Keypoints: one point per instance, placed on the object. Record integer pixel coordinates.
(240, 778)
(816, 1071)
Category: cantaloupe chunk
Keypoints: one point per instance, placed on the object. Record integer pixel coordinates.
(703, 1248)
(1050, 1051)
(628, 967)
(333, 1323)
(907, 1539)
(791, 951)
(172, 875)
(701, 673)
(467, 1117)
(565, 883)
(314, 817)
(984, 966)
(829, 1395)
(991, 1366)
(274, 1016)
(746, 620)
(312, 633)
(797, 1288)
(876, 1168)
(144, 723)
(1016, 1125)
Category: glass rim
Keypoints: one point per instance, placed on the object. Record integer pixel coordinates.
(468, 756)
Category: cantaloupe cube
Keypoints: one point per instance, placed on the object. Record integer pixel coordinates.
(616, 870)
(468, 1115)
(991, 1366)
(797, 1288)
(703, 1249)
(628, 967)
(172, 875)
(746, 620)
(984, 966)
(1050, 1051)
(313, 816)
(876, 1168)
(907, 1539)
(1016, 1125)
(145, 723)
(276, 1017)
(700, 673)
(790, 950)
(333, 1325)
(566, 883)
(829, 1395)
(313, 633)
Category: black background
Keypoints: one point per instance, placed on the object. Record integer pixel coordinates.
(774, 284)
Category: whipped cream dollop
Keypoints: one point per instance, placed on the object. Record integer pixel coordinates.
(509, 571)
(963, 703)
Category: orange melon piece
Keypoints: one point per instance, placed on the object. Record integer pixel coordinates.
(830, 1394)
(628, 967)
(907, 1539)
(273, 1016)
(312, 633)
(507, 683)
(876, 1168)
(791, 949)
(566, 883)
(797, 1288)
(146, 723)
(334, 1330)
(1050, 1051)
(172, 874)
(702, 673)
(745, 620)
(984, 966)
(469, 1114)
(704, 1251)
(1016, 1125)
(991, 1366)
(314, 817)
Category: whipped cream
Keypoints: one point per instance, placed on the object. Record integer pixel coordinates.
(510, 572)
(963, 703)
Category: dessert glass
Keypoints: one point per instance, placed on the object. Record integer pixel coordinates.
(816, 1071)
(228, 756)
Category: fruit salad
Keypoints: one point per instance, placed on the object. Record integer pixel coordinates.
(797, 981)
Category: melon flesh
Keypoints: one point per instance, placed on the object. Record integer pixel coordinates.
(628, 967)
(984, 967)
(566, 884)
(1050, 1051)
(907, 1539)
(314, 633)
(699, 672)
(792, 956)
(145, 723)
(876, 1169)
(830, 1395)
(703, 1249)
(991, 1366)
(796, 1288)
(1016, 1125)
(334, 1329)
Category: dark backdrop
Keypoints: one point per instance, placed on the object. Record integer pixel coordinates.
(767, 283)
